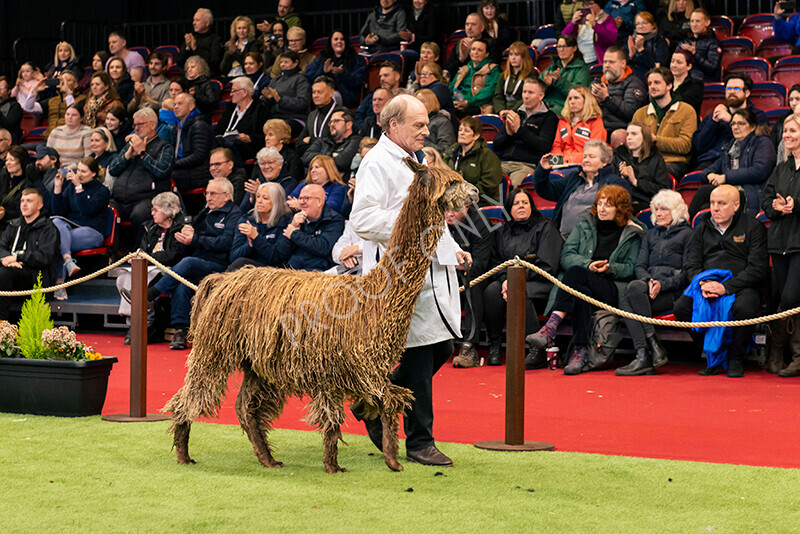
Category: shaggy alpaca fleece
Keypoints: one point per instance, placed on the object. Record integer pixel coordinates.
(332, 337)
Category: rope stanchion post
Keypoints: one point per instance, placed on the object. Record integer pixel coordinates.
(515, 371)
(138, 389)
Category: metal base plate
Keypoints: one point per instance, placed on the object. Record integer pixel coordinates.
(497, 445)
(127, 418)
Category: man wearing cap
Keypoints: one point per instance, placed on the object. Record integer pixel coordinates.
(44, 168)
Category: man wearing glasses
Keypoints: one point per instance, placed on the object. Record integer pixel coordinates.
(342, 144)
(142, 169)
(313, 231)
(715, 129)
(221, 165)
(209, 238)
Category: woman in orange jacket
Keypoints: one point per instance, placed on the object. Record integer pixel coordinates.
(581, 120)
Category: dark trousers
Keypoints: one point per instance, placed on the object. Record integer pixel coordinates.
(744, 307)
(415, 372)
(14, 279)
(194, 270)
(787, 273)
(589, 283)
(238, 263)
(637, 300)
(475, 315)
(494, 306)
(677, 169)
(137, 213)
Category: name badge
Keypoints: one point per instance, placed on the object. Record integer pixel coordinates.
(585, 133)
(510, 98)
(219, 225)
(738, 238)
(270, 236)
(563, 132)
(318, 232)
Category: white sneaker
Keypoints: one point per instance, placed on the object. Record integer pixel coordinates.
(71, 267)
(60, 294)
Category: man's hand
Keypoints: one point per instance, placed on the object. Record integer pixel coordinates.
(512, 122)
(712, 289)
(138, 144)
(777, 10)
(600, 91)
(371, 39)
(191, 42)
(655, 288)
(716, 179)
(721, 113)
(185, 236)
(405, 35)
(599, 266)
(464, 260)
(463, 48)
(293, 203)
(298, 220)
(244, 138)
(690, 47)
(8, 260)
(504, 290)
(138, 89)
(348, 256)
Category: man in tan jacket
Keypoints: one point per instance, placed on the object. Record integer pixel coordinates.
(671, 121)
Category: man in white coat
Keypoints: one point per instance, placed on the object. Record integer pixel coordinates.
(383, 180)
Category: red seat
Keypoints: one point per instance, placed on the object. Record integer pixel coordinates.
(35, 136)
(318, 45)
(29, 122)
(173, 73)
(374, 67)
(644, 217)
(771, 48)
(734, 48)
(539, 202)
(756, 67)
(109, 236)
(787, 70)
(494, 213)
(689, 185)
(757, 27)
(141, 50)
(450, 43)
(172, 52)
(546, 57)
(776, 114)
(699, 216)
(713, 95)
(722, 26)
(766, 95)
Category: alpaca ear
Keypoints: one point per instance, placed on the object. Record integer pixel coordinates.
(421, 171)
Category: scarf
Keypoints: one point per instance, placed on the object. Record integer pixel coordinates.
(92, 106)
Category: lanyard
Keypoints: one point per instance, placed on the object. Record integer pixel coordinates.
(505, 89)
(318, 131)
(238, 116)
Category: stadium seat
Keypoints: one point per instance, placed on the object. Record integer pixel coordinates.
(355, 40)
(450, 43)
(218, 85)
(767, 95)
(374, 67)
(644, 217)
(172, 52)
(756, 67)
(761, 216)
(505, 189)
(546, 57)
(699, 217)
(318, 45)
(539, 202)
(29, 122)
(491, 125)
(36, 135)
(494, 213)
(722, 26)
(173, 73)
(545, 31)
(547, 212)
(689, 185)
(773, 48)
(757, 27)
(734, 48)
(787, 70)
(109, 236)
(141, 50)
(713, 95)
(776, 114)
(597, 72)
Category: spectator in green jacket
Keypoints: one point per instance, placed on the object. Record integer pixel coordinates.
(474, 83)
(476, 162)
(568, 69)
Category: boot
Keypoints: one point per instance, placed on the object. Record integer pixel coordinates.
(535, 359)
(495, 352)
(467, 357)
(641, 365)
(779, 337)
(576, 362)
(793, 369)
(546, 335)
(657, 350)
(735, 366)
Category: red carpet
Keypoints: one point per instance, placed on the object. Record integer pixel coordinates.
(753, 420)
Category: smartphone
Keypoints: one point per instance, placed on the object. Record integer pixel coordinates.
(788, 6)
(556, 159)
(63, 172)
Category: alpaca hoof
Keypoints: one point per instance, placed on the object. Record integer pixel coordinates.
(272, 464)
(334, 469)
(394, 465)
(186, 461)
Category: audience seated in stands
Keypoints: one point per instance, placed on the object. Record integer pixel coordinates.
(5, 144)
(193, 139)
(118, 47)
(278, 134)
(241, 126)
(209, 238)
(253, 65)
(429, 53)
(715, 128)
(567, 70)
(594, 31)
(421, 25)
(703, 44)
(73, 140)
(79, 203)
(341, 145)
(371, 127)
(222, 164)
(674, 20)
(381, 30)
(102, 98)
(440, 124)
(620, 93)
(243, 40)
(141, 169)
(317, 123)
(574, 192)
(29, 83)
(43, 171)
(529, 132)
(598, 259)
(120, 79)
(646, 48)
(64, 60)
(508, 91)
(274, 44)
(459, 56)
(155, 88)
(269, 168)
(638, 161)
(474, 84)
(201, 41)
(28, 246)
(322, 172)
(118, 125)
(660, 278)
(776, 134)
(102, 147)
(689, 88)
(296, 40)
(99, 60)
(725, 240)
(527, 234)
(671, 121)
(432, 77)
(389, 74)
(159, 241)
(339, 61)
(259, 239)
(205, 93)
(10, 111)
(475, 161)
(623, 12)
(581, 120)
(56, 106)
(496, 24)
(746, 162)
(289, 94)
(286, 15)
(14, 179)
(313, 230)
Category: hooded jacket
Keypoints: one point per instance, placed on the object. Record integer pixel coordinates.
(295, 93)
(651, 175)
(196, 142)
(711, 135)
(625, 96)
(386, 26)
(570, 138)
(172, 251)
(40, 239)
(707, 57)
(664, 252)
(313, 242)
(476, 82)
(479, 166)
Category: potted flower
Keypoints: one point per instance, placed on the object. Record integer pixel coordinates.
(46, 370)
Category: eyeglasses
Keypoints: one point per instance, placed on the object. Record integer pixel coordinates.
(295, 40)
(212, 194)
(734, 89)
(306, 199)
(562, 47)
(218, 164)
(236, 90)
(138, 124)
(421, 74)
(332, 121)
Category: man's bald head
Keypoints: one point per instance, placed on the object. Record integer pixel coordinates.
(312, 200)
(724, 203)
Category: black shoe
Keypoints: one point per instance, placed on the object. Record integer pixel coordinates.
(127, 340)
(125, 293)
(710, 371)
(735, 368)
(178, 340)
(429, 456)
(642, 365)
(535, 359)
(374, 426)
(495, 353)
(658, 351)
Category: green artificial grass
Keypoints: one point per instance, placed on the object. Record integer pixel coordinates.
(87, 475)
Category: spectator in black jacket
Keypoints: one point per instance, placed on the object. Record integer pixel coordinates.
(202, 41)
(313, 231)
(15, 177)
(639, 162)
(10, 111)
(243, 40)
(192, 138)
(529, 132)
(381, 31)
(28, 246)
(646, 48)
(689, 88)
(316, 125)
(340, 62)
(715, 128)
(142, 170)
(342, 144)
(389, 74)
(205, 93)
(421, 25)
(733, 240)
(288, 95)
(459, 56)
(278, 135)
(619, 92)
(703, 45)
(221, 165)
(371, 127)
(240, 127)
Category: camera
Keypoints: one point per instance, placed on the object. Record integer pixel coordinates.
(272, 38)
(556, 159)
(63, 172)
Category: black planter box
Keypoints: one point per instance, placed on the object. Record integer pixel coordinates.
(51, 387)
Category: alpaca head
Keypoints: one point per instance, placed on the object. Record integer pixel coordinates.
(446, 186)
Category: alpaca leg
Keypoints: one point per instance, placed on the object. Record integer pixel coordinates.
(256, 406)
(327, 414)
(394, 401)
(181, 442)
(330, 457)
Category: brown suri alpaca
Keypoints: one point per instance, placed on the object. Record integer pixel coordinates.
(332, 337)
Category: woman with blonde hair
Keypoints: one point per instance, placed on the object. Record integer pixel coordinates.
(675, 22)
(581, 120)
(322, 171)
(243, 40)
(508, 92)
(64, 59)
(440, 125)
(278, 134)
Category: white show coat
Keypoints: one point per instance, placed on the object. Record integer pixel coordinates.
(382, 184)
